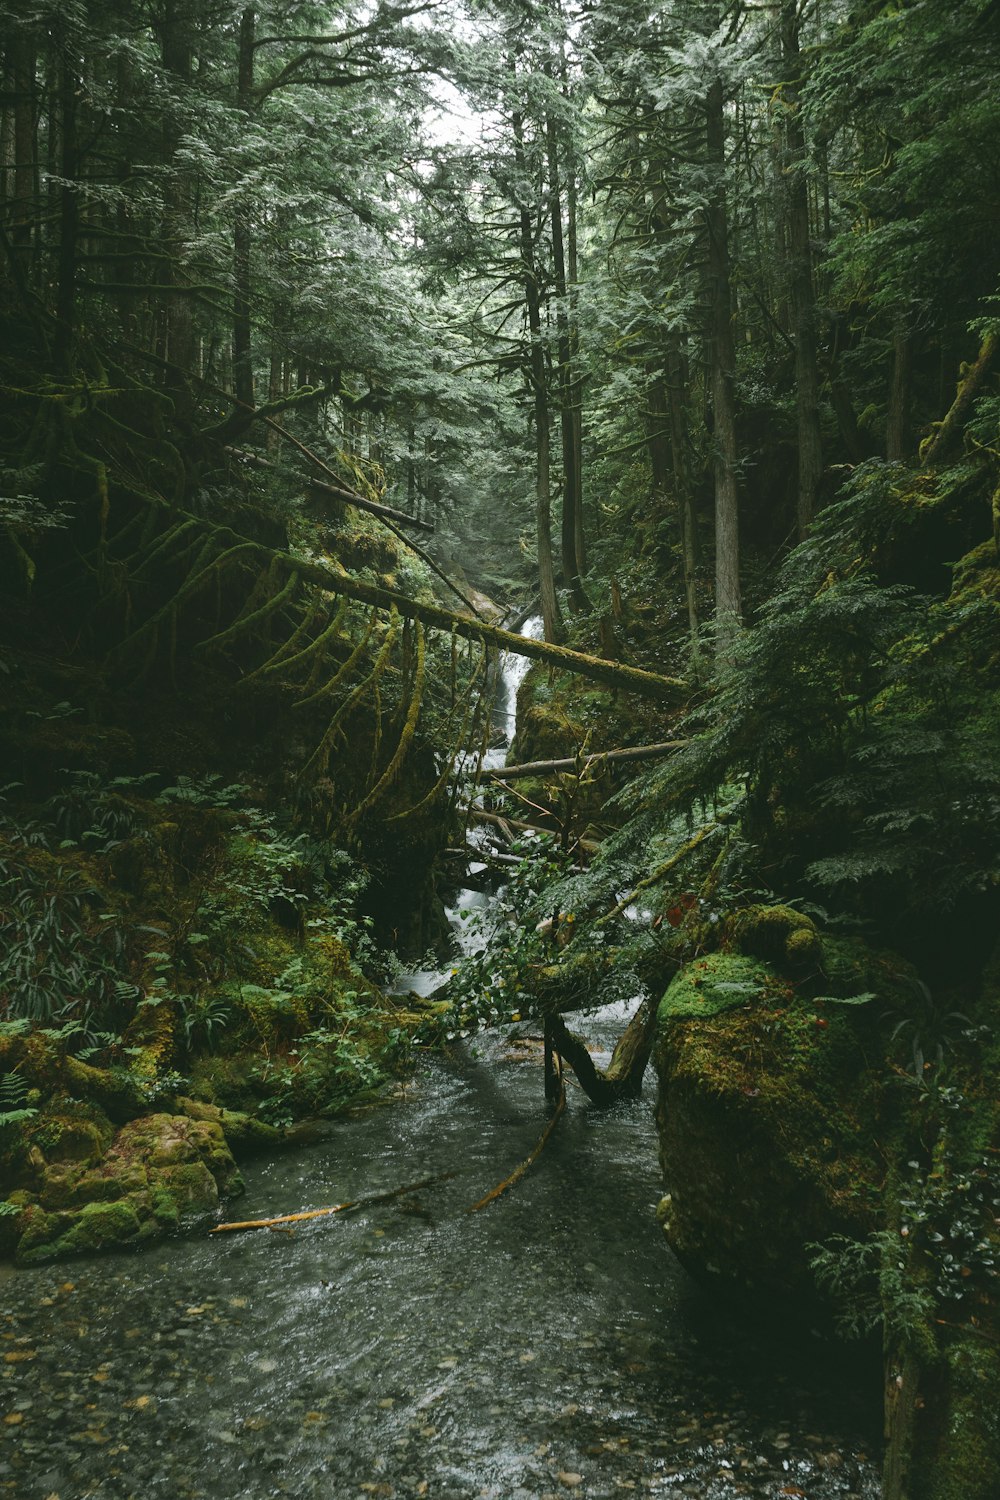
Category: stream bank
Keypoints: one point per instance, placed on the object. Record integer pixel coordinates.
(549, 1345)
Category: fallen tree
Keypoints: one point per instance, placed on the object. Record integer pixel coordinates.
(326, 487)
(622, 1078)
(576, 765)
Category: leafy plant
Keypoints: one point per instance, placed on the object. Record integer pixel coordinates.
(13, 1109)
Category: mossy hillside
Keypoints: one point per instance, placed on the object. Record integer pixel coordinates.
(768, 1109)
(204, 948)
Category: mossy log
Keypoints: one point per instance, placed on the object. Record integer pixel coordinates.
(612, 674)
(339, 492)
(947, 433)
(516, 825)
(576, 765)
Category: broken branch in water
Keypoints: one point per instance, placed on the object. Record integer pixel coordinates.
(337, 1208)
(529, 1160)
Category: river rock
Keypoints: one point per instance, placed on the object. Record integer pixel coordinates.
(158, 1172)
(770, 1102)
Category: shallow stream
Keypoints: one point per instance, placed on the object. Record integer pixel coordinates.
(546, 1346)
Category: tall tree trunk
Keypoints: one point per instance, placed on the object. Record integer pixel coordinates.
(537, 376)
(21, 55)
(69, 211)
(576, 383)
(676, 386)
(177, 53)
(571, 488)
(801, 298)
(723, 366)
(242, 352)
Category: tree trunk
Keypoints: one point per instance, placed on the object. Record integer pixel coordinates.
(242, 352)
(571, 478)
(537, 377)
(801, 298)
(177, 52)
(723, 365)
(676, 386)
(576, 383)
(948, 434)
(622, 1079)
(69, 213)
(22, 65)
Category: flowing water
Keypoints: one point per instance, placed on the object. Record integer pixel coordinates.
(546, 1346)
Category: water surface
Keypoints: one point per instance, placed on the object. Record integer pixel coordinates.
(549, 1345)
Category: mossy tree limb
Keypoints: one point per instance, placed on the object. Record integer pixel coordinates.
(947, 434)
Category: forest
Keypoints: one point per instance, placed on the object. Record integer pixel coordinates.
(500, 587)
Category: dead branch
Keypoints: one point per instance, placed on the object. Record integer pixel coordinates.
(337, 1208)
(529, 1160)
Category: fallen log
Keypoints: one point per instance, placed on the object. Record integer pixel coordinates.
(612, 674)
(326, 487)
(622, 1079)
(336, 1208)
(480, 815)
(947, 434)
(532, 1157)
(385, 513)
(577, 764)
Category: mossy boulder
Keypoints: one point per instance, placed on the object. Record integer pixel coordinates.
(159, 1172)
(768, 1109)
(777, 933)
(243, 1132)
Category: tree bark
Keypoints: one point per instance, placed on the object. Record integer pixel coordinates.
(723, 365)
(622, 1079)
(801, 298)
(242, 350)
(22, 65)
(580, 763)
(177, 55)
(571, 477)
(948, 434)
(537, 379)
(676, 386)
(576, 383)
(69, 212)
(898, 435)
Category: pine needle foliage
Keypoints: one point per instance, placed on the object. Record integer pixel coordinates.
(861, 715)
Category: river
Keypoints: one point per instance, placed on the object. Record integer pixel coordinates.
(546, 1346)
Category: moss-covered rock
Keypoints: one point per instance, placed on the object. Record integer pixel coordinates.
(779, 934)
(243, 1132)
(158, 1172)
(768, 1110)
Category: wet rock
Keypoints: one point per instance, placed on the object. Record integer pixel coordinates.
(768, 1110)
(158, 1172)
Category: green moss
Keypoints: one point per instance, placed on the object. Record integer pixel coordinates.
(99, 1226)
(242, 1131)
(192, 1187)
(777, 933)
(719, 982)
(768, 1110)
(965, 1427)
(164, 1207)
(73, 1187)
